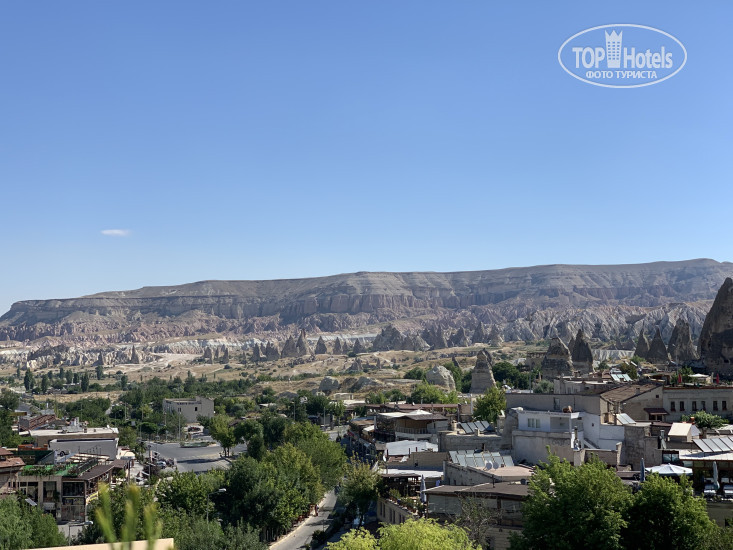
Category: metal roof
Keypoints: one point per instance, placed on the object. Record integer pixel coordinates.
(624, 419)
(481, 459)
(715, 444)
(471, 427)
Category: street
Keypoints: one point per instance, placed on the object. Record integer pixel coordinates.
(194, 459)
(302, 534)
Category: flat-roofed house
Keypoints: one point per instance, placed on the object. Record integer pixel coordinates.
(190, 408)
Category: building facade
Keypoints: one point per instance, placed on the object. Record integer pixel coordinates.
(190, 409)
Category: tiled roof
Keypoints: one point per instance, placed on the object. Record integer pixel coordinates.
(623, 393)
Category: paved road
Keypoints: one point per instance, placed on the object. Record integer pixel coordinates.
(301, 535)
(194, 459)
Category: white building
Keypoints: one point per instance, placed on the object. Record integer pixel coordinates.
(191, 408)
(536, 430)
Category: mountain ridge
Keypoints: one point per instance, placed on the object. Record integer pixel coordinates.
(345, 301)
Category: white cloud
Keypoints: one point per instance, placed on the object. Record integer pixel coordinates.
(116, 232)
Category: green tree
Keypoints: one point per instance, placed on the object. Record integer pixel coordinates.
(128, 437)
(123, 382)
(245, 431)
(84, 382)
(544, 386)
(273, 428)
(506, 373)
(337, 409)
(91, 409)
(250, 496)
(629, 369)
(326, 455)
(360, 487)
(424, 534)
(574, 508)
(415, 373)
(317, 404)
(44, 383)
(222, 432)
(195, 533)
(665, 514)
(69, 376)
(28, 381)
(8, 403)
(24, 526)
(706, 421)
(9, 400)
(490, 405)
(357, 539)
(188, 492)
(297, 481)
(375, 398)
(428, 393)
(100, 372)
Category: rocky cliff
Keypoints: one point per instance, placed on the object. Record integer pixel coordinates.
(716, 339)
(607, 302)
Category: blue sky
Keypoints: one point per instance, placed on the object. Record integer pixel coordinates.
(278, 139)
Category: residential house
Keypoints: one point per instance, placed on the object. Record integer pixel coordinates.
(190, 409)
(10, 465)
(67, 485)
(687, 400)
(502, 501)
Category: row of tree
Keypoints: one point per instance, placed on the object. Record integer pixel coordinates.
(287, 469)
(590, 507)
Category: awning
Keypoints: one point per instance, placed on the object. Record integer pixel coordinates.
(670, 470)
(656, 410)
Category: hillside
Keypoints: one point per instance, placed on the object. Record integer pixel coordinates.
(523, 303)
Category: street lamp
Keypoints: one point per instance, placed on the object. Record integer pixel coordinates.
(218, 491)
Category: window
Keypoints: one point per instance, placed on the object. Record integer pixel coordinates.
(725, 405)
(694, 405)
(195, 408)
(715, 405)
(671, 406)
(682, 405)
(703, 405)
(533, 422)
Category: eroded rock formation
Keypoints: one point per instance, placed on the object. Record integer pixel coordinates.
(271, 352)
(657, 350)
(557, 361)
(440, 376)
(301, 346)
(479, 335)
(482, 377)
(581, 354)
(680, 348)
(459, 339)
(289, 348)
(716, 338)
(321, 348)
(337, 347)
(329, 384)
(642, 345)
(389, 338)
